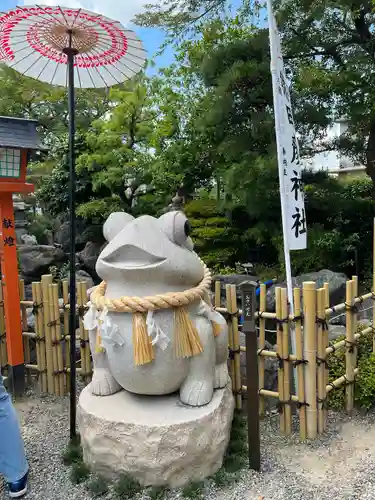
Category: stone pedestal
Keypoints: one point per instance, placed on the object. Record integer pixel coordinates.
(156, 440)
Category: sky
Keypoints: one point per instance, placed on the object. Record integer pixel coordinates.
(121, 10)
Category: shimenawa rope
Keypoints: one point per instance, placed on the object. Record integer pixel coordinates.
(186, 340)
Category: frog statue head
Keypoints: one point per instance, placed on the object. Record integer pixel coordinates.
(147, 252)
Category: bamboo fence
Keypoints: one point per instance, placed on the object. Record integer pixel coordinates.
(311, 356)
(46, 348)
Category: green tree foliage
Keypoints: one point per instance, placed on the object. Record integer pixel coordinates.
(330, 48)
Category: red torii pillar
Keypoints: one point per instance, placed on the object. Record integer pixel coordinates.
(9, 270)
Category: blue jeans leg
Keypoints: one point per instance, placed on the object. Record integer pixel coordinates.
(13, 463)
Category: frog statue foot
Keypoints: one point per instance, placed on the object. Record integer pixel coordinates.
(152, 328)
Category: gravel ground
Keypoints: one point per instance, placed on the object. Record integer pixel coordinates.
(340, 465)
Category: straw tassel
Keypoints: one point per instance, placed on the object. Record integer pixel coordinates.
(98, 347)
(186, 337)
(143, 350)
(217, 328)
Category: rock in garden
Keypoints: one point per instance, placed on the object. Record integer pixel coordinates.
(29, 239)
(35, 260)
(336, 281)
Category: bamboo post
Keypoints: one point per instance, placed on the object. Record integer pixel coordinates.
(287, 367)
(230, 338)
(350, 341)
(309, 310)
(300, 368)
(81, 329)
(217, 293)
(39, 330)
(53, 330)
(321, 316)
(355, 317)
(26, 343)
(59, 347)
(3, 346)
(65, 288)
(84, 334)
(46, 281)
(236, 345)
(326, 344)
(326, 295)
(262, 344)
(280, 372)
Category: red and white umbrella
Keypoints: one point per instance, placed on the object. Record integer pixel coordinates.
(69, 47)
(33, 38)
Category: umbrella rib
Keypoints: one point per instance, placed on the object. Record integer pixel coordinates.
(110, 74)
(37, 15)
(51, 15)
(54, 74)
(75, 19)
(93, 50)
(127, 52)
(47, 63)
(91, 78)
(31, 65)
(124, 65)
(63, 14)
(79, 77)
(105, 83)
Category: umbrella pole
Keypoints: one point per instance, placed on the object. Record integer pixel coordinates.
(71, 53)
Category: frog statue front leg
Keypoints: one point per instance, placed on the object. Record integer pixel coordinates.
(208, 370)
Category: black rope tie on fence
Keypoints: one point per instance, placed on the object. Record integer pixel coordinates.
(261, 350)
(300, 404)
(298, 318)
(282, 360)
(39, 339)
(350, 345)
(36, 308)
(322, 322)
(351, 307)
(322, 361)
(331, 384)
(59, 372)
(65, 306)
(298, 362)
(54, 322)
(281, 322)
(233, 352)
(57, 342)
(323, 402)
(2, 337)
(83, 343)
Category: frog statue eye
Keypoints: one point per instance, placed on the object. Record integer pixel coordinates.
(176, 226)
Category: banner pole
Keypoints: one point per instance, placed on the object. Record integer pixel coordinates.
(282, 173)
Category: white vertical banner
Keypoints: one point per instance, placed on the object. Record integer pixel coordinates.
(291, 188)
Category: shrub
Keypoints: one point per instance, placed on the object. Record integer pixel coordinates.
(79, 472)
(98, 486)
(365, 383)
(126, 487)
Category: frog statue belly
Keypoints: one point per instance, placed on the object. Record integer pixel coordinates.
(152, 329)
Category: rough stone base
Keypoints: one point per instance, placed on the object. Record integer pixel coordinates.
(157, 440)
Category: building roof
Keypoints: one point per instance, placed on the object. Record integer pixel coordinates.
(19, 133)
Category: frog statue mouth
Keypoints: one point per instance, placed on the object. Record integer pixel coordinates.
(130, 257)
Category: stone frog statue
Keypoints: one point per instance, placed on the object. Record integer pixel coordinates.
(148, 258)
